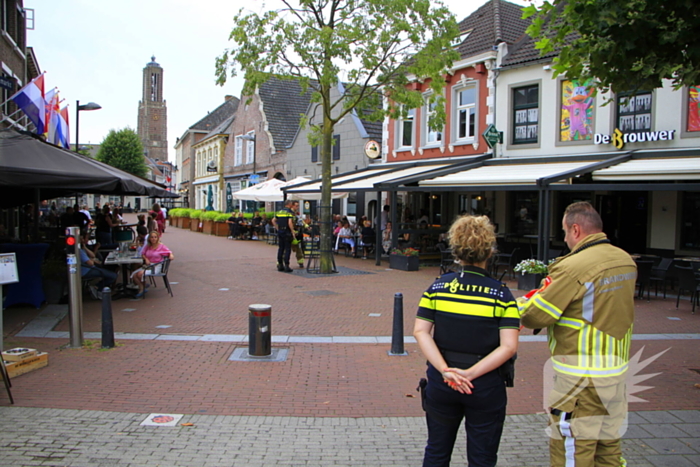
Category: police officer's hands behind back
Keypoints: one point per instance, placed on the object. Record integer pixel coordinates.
(455, 379)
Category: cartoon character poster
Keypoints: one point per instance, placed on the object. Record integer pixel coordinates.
(693, 110)
(576, 110)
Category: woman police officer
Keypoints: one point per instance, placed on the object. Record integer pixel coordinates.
(467, 327)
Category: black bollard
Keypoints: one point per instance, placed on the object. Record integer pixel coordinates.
(259, 330)
(397, 331)
(107, 325)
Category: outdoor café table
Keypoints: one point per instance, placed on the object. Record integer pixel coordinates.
(122, 259)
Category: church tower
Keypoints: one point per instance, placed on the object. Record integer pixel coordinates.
(153, 113)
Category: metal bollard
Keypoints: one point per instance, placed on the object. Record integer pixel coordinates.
(107, 325)
(259, 330)
(397, 330)
(75, 302)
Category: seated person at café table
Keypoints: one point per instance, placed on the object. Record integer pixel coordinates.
(90, 270)
(369, 237)
(244, 226)
(141, 229)
(345, 236)
(256, 225)
(232, 226)
(152, 253)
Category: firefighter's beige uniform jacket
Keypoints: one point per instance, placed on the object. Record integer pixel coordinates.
(588, 310)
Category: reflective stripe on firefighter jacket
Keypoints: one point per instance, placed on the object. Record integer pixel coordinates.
(588, 310)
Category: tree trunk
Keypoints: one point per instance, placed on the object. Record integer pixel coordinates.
(326, 214)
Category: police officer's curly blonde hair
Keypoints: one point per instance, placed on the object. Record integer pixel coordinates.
(472, 239)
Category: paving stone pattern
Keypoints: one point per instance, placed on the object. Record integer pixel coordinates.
(338, 399)
(52, 437)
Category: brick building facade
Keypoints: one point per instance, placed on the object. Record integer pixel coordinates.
(153, 113)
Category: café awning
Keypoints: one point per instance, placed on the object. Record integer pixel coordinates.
(657, 169)
(378, 178)
(523, 173)
(28, 163)
(312, 190)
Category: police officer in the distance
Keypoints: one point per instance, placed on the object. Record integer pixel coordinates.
(467, 327)
(284, 221)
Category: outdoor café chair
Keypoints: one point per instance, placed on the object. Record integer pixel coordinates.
(644, 277)
(153, 271)
(507, 260)
(688, 282)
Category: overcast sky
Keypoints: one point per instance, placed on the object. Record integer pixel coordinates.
(96, 51)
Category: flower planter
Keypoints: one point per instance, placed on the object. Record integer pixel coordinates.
(184, 222)
(208, 227)
(529, 281)
(175, 221)
(53, 290)
(220, 229)
(196, 225)
(404, 263)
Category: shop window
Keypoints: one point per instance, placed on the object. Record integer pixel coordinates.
(577, 104)
(526, 114)
(525, 213)
(690, 221)
(634, 112)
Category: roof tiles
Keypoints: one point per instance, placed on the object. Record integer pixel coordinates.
(494, 22)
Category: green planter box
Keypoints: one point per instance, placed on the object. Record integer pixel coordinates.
(404, 263)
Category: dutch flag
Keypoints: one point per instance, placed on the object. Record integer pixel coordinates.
(30, 99)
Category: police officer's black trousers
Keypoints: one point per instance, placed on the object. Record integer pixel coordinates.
(284, 249)
(484, 412)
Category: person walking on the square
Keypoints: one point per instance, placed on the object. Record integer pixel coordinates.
(587, 305)
(467, 327)
(284, 223)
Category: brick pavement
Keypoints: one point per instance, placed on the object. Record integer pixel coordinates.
(318, 381)
(55, 437)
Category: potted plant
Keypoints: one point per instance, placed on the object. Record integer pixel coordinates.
(404, 259)
(220, 228)
(532, 271)
(54, 273)
(175, 217)
(208, 220)
(196, 220)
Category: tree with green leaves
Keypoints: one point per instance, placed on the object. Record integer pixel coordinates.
(625, 45)
(374, 46)
(123, 149)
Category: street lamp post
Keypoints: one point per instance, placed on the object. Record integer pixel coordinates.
(251, 138)
(78, 108)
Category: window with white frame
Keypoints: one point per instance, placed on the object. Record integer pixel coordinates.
(465, 113)
(250, 149)
(238, 154)
(405, 130)
(432, 137)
